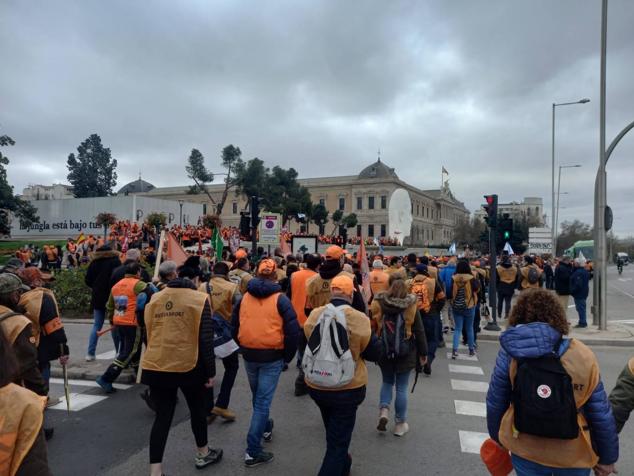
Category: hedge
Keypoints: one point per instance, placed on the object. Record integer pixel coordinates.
(71, 292)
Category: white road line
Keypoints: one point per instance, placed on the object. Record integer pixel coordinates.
(465, 369)
(624, 292)
(110, 355)
(88, 383)
(78, 401)
(465, 407)
(625, 321)
(470, 358)
(471, 441)
(469, 386)
(624, 280)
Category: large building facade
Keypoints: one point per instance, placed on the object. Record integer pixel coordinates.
(57, 191)
(385, 205)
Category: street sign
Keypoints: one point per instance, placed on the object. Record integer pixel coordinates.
(270, 224)
(539, 241)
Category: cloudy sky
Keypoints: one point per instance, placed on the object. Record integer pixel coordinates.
(320, 86)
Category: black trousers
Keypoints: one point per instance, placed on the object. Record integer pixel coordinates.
(506, 300)
(128, 354)
(231, 363)
(165, 401)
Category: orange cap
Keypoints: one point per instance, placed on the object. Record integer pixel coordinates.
(496, 458)
(344, 284)
(241, 253)
(266, 266)
(335, 252)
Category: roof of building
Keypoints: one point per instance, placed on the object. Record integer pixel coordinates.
(378, 170)
(137, 186)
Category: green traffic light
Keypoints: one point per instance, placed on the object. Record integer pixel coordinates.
(507, 235)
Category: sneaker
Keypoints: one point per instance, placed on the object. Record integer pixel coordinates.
(472, 353)
(263, 457)
(268, 435)
(581, 326)
(212, 456)
(401, 428)
(106, 386)
(454, 355)
(383, 419)
(224, 413)
(210, 418)
(90, 358)
(147, 398)
(427, 369)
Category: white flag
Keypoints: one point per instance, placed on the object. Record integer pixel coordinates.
(508, 249)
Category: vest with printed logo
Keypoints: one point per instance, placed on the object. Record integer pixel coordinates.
(124, 302)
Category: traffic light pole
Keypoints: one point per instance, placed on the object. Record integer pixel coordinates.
(254, 226)
(493, 326)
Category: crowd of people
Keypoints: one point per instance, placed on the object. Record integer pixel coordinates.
(328, 315)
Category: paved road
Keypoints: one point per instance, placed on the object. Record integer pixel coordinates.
(109, 435)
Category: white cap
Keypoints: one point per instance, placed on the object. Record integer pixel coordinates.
(377, 264)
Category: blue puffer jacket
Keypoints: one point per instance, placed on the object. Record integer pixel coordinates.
(536, 340)
(445, 277)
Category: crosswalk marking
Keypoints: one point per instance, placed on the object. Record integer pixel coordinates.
(469, 386)
(78, 401)
(470, 358)
(465, 407)
(465, 369)
(88, 383)
(471, 441)
(110, 355)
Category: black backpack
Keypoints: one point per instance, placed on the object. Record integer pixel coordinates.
(543, 398)
(395, 343)
(533, 276)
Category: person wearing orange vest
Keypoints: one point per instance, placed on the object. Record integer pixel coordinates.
(506, 276)
(22, 449)
(266, 329)
(396, 267)
(179, 355)
(379, 279)
(223, 295)
(125, 310)
(297, 295)
(239, 273)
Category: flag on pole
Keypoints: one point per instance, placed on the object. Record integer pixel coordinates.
(362, 258)
(217, 244)
(124, 245)
(81, 238)
(234, 241)
(444, 170)
(508, 249)
(175, 251)
(286, 250)
(452, 249)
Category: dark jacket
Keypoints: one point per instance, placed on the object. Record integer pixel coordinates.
(622, 396)
(536, 340)
(103, 263)
(579, 283)
(562, 279)
(205, 367)
(262, 288)
(392, 305)
(26, 355)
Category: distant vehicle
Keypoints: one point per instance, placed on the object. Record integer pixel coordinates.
(585, 247)
(623, 257)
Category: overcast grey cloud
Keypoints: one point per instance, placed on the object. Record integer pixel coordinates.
(321, 85)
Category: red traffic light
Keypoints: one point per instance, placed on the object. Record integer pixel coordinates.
(490, 199)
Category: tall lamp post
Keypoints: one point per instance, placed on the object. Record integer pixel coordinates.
(552, 217)
(556, 220)
(180, 219)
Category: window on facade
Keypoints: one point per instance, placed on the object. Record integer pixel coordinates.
(358, 230)
(371, 230)
(359, 203)
(235, 208)
(371, 203)
(383, 230)
(417, 209)
(322, 201)
(204, 208)
(342, 203)
(383, 202)
(432, 235)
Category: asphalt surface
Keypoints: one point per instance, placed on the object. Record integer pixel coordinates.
(110, 437)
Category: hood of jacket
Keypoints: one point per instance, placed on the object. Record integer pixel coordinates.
(507, 264)
(97, 255)
(261, 288)
(394, 305)
(462, 278)
(531, 340)
(329, 269)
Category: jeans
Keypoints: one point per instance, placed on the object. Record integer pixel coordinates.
(401, 381)
(432, 325)
(580, 304)
(463, 318)
(524, 467)
(263, 378)
(231, 363)
(339, 414)
(99, 316)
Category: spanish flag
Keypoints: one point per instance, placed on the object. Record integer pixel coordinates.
(81, 238)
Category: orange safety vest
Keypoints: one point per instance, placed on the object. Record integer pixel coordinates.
(261, 326)
(124, 302)
(379, 281)
(298, 293)
(21, 417)
(31, 302)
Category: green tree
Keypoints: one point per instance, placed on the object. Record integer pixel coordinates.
(319, 216)
(571, 232)
(233, 164)
(350, 221)
(197, 172)
(9, 203)
(105, 219)
(92, 171)
(336, 219)
(251, 179)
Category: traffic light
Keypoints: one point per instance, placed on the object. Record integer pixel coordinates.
(506, 228)
(255, 212)
(491, 207)
(245, 225)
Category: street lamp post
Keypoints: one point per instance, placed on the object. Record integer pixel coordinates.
(180, 204)
(552, 217)
(556, 219)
